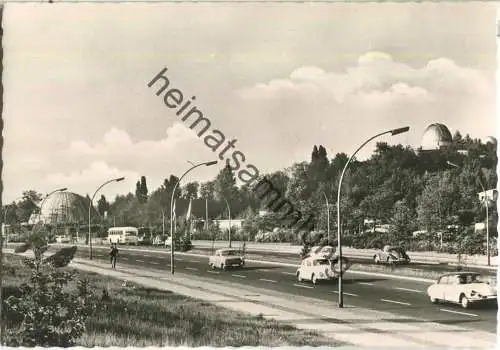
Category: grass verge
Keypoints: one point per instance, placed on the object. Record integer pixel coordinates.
(133, 315)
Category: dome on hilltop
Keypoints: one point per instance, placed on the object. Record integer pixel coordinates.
(490, 139)
(436, 136)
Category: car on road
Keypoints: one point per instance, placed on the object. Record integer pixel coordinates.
(316, 269)
(464, 288)
(226, 258)
(391, 255)
(325, 252)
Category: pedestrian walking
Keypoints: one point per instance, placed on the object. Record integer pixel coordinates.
(113, 255)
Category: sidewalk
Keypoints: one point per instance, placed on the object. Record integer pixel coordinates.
(359, 327)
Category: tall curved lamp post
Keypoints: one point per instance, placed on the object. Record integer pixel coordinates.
(339, 228)
(46, 197)
(90, 207)
(172, 246)
(229, 212)
(327, 217)
(487, 224)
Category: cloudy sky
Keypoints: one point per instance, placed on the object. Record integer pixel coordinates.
(278, 78)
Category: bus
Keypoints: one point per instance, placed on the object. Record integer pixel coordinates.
(123, 235)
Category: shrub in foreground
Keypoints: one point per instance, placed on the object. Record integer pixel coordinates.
(48, 313)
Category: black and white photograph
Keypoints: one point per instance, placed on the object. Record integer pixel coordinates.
(249, 174)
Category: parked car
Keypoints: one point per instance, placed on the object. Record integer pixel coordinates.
(159, 240)
(391, 255)
(143, 240)
(464, 288)
(225, 258)
(63, 239)
(315, 269)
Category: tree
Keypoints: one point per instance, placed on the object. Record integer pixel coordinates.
(225, 185)
(28, 205)
(102, 206)
(190, 190)
(144, 188)
(141, 190)
(207, 190)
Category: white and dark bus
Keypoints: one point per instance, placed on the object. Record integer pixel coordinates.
(123, 235)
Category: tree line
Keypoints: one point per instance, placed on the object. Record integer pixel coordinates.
(400, 188)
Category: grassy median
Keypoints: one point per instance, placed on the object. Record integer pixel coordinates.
(135, 316)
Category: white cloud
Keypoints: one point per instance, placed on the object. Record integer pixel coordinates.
(88, 180)
(118, 155)
(375, 93)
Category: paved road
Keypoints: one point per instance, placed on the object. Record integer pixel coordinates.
(407, 298)
(441, 268)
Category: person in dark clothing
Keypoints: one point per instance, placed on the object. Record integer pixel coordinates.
(113, 255)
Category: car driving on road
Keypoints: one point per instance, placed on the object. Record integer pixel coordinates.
(226, 258)
(391, 255)
(464, 288)
(316, 269)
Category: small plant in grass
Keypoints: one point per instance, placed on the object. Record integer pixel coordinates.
(49, 314)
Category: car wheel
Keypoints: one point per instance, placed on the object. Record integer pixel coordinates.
(433, 300)
(376, 259)
(299, 277)
(464, 302)
(223, 267)
(314, 280)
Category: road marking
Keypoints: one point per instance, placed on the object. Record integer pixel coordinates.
(301, 286)
(124, 258)
(351, 294)
(240, 276)
(191, 268)
(459, 312)
(266, 280)
(395, 302)
(213, 271)
(139, 260)
(366, 283)
(409, 290)
(147, 255)
(196, 261)
(265, 270)
(289, 273)
(154, 262)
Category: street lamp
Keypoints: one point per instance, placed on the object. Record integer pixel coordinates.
(172, 245)
(47, 196)
(90, 207)
(229, 211)
(327, 217)
(339, 229)
(487, 224)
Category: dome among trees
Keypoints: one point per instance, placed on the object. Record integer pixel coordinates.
(436, 136)
(64, 208)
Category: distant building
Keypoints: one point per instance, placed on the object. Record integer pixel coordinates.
(490, 195)
(236, 224)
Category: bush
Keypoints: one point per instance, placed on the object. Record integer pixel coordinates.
(49, 314)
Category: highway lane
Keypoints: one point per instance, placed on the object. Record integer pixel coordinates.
(407, 298)
(441, 267)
